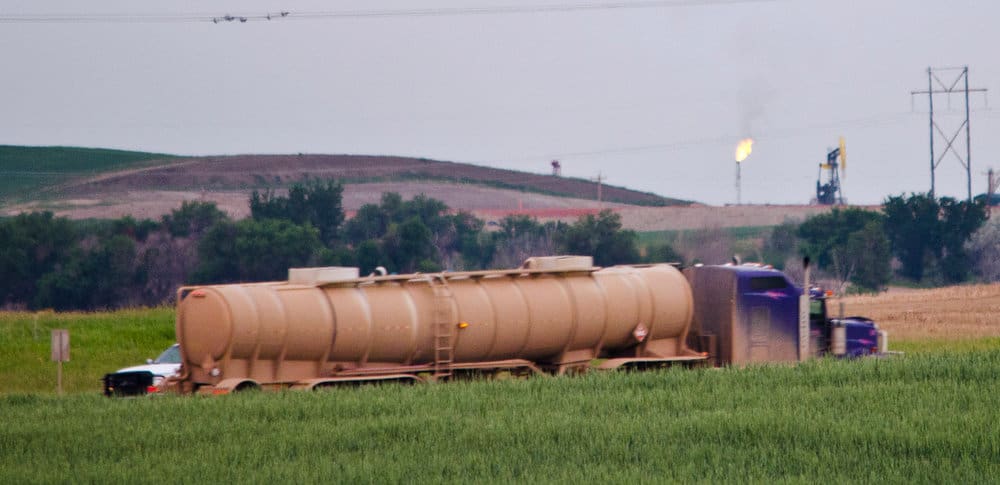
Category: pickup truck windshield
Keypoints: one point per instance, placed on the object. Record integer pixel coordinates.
(170, 356)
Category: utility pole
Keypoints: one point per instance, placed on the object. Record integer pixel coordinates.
(991, 186)
(950, 88)
(600, 196)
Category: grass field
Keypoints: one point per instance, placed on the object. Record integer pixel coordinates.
(737, 233)
(99, 343)
(929, 416)
(25, 169)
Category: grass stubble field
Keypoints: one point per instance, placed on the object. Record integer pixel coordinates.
(930, 416)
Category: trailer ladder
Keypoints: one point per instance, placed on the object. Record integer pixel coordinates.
(443, 327)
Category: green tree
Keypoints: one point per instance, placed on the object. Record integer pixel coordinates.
(251, 250)
(391, 205)
(663, 253)
(822, 233)
(913, 230)
(31, 245)
(520, 237)
(192, 218)
(868, 251)
(336, 256)
(266, 249)
(218, 261)
(601, 237)
(269, 205)
(927, 231)
(780, 245)
(369, 256)
(520, 225)
(959, 221)
(370, 222)
(433, 213)
(449, 240)
(96, 279)
(849, 244)
(469, 241)
(408, 245)
(319, 204)
(136, 230)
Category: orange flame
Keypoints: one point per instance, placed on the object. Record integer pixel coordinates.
(743, 149)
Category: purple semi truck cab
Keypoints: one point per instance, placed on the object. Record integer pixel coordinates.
(860, 336)
(751, 313)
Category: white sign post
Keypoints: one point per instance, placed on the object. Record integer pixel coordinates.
(804, 303)
(60, 353)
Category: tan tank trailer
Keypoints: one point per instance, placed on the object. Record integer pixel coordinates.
(328, 326)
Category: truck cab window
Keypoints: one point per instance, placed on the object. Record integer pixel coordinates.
(764, 283)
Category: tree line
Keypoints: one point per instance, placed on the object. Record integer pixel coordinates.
(54, 262)
(916, 239)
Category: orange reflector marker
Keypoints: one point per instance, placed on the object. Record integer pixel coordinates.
(198, 293)
(219, 392)
(463, 324)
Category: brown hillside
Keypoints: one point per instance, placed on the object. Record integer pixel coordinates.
(250, 171)
(489, 193)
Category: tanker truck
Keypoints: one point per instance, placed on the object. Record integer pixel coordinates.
(551, 315)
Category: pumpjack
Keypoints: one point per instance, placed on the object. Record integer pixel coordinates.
(830, 193)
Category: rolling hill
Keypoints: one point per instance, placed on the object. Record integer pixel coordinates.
(99, 183)
(24, 169)
(62, 177)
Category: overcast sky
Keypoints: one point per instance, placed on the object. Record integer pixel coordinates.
(654, 98)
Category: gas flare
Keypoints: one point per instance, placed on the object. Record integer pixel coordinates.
(743, 149)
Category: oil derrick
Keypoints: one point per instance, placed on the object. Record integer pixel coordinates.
(830, 193)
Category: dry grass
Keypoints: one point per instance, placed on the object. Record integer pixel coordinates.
(957, 312)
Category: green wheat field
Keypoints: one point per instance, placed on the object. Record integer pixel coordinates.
(932, 416)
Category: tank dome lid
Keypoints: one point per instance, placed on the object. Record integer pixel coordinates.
(560, 263)
(321, 276)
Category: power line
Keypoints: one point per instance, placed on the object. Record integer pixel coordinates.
(369, 14)
(725, 140)
(138, 19)
(520, 9)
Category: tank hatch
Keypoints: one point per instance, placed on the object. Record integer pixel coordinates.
(560, 263)
(321, 276)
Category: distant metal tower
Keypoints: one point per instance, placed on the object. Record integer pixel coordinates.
(949, 89)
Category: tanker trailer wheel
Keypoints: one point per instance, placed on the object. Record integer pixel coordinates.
(247, 386)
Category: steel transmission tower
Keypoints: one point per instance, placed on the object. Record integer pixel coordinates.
(960, 85)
